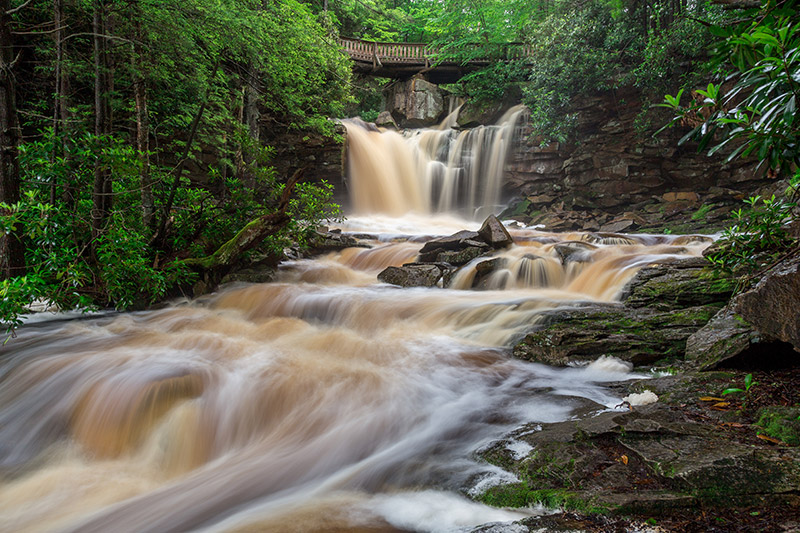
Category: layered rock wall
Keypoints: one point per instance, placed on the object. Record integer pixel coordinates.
(614, 167)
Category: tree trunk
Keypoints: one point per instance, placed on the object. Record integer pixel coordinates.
(101, 192)
(159, 239)
(214, 267)
(142, 124)
(250, 117)
(58, 95)
(12, 252)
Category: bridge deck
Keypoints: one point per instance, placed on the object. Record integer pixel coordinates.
(403, 60)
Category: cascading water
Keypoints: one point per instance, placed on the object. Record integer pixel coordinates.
(439, 170)
(324, 401)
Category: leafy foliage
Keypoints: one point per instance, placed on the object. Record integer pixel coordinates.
(748, 384)
(757, 116)
(752, 113)
(757, 237)
(575, 48)
(233, 68)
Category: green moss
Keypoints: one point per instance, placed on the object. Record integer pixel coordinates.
(781, 423)
(521, 495)
(702, 212)
(519, 208)
(512, 495)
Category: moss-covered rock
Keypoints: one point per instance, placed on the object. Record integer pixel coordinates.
(639, 336)
(411, 275)
(782, 423)
(679, 284)
(649, 460)
(460, 257)
(725, 337)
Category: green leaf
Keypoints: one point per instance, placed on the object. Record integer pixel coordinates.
(790, 111)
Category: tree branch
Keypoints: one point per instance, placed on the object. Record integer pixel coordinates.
(216, 265)
(19, 8)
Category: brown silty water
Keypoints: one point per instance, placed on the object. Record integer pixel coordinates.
(325, 401)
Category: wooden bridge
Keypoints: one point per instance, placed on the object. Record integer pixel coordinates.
(403, 60)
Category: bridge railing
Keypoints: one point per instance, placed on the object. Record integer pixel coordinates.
(419, 53)
(363, 50)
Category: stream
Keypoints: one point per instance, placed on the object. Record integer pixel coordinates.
(324, 401)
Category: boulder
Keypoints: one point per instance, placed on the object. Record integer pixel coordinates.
(772, 305)
(456, 249)
(460, 257)
(455, 241)
(385, 120)
(415, 103)
(723, 339)
(639, 336)
(494, 233)
(574, 251)
(486, 268)
(413, 275)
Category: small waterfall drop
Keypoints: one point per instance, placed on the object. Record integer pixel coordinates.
(426, 171)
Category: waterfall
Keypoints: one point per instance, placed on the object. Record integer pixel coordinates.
(434, 170)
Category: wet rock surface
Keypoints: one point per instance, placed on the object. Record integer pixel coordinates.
(494, 233)
(718, 441)
(641, 337)
(677, 285)
(772, 305)
(330, 241)
(651, 459)
(412, 275)
(664, 306)
(661, 463)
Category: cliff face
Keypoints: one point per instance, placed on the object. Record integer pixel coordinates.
(322, 157)
(612, 176)
(611, 169)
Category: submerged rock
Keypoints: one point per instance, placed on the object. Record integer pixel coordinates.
(574, 251)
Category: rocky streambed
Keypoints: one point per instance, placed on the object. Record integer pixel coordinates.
(704, 456)
(682, 454)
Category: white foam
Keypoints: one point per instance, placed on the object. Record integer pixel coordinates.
(641, 398)
(439, 512)
(519, 449)
(610, 364)
(493, 477)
